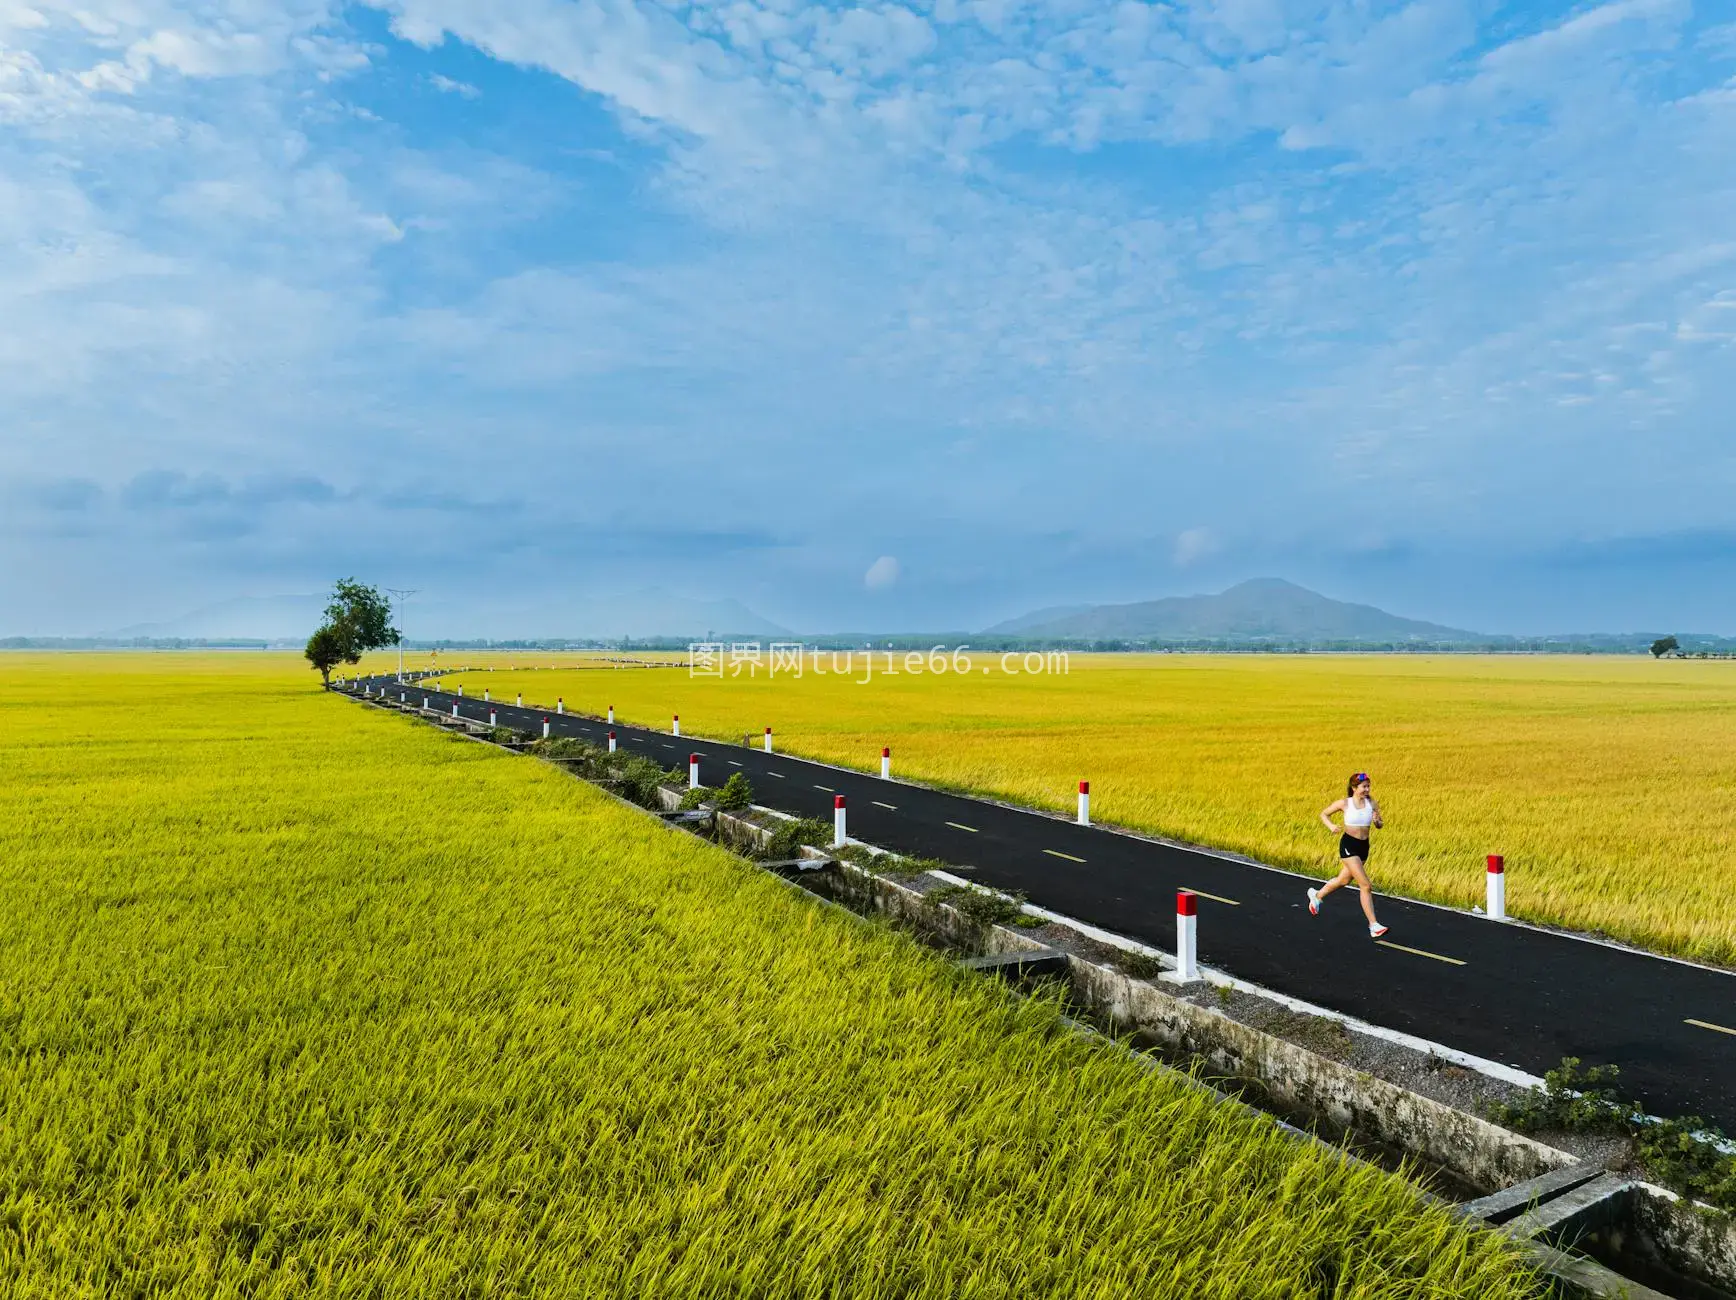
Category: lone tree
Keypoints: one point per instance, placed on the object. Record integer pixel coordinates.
(1664, 645)
(358, 620)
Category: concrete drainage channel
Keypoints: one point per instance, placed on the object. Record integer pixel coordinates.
(1595, 1232)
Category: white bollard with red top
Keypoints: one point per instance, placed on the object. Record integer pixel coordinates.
(1084, 803)
(461, 690)
(768, 740)
(1497, 877)
(611, 742)
(693, 771)
(676, 725)
(560, 704)
(545, 726)
(455, 708)
(838, 821)
(1186, 936)
(885, 763)
(611, 713)
(521, 699)
(424, 701)
(492, 721)
(486, 697)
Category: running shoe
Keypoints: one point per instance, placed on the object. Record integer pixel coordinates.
(1376, 931)
(1314, 902)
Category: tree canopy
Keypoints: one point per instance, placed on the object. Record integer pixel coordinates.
(1663, 646)
(357, 620)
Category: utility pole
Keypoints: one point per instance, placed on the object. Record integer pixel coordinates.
(400, 595)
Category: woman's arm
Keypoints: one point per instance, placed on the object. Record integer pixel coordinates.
(1378, 819)
(1328, 810)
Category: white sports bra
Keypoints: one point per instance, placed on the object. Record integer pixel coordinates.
(1354, 816)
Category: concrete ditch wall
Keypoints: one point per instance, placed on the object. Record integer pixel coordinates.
(1478, 1153)
(1667, 1230)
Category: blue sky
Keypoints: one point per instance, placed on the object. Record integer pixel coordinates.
(877, 317)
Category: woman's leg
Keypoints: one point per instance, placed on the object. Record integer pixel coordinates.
(1337, 882)
(1354, 867)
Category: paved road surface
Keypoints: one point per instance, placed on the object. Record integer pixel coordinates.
(1516, 995)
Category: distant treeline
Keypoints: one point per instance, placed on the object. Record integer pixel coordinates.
(1692, 647)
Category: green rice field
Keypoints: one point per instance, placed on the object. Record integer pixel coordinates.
(301, 998)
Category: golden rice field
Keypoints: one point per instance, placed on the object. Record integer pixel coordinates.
(1609, 784)
(301, 998)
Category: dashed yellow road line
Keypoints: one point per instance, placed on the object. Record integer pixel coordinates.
(1216, 898)
(1056, 853)
(1707, 1024)
(1418, 952)
(960, 826)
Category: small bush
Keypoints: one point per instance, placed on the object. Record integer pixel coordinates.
(1682, 1154)
(637, 778)
(1571, 1100)
(980, 908)
(909, 868)
(697, 795)
(1142, 966)
(736, 793)
(1674, 1152)
(788, 839)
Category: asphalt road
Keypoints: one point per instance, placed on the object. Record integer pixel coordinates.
(1520, 996)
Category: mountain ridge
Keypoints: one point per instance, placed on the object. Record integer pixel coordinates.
(1258, 609)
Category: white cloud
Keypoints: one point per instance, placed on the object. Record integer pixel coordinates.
(882, 574)
(450, 87)
(1193, 545)
(961, 230)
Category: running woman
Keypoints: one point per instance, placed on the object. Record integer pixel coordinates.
(1361, 815)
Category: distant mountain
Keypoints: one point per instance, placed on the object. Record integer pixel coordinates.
(1262, 609)
(250, 618)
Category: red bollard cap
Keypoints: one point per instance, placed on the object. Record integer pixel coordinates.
(693, 758)
(837, 801)
(611, 735)
(1084, 787)
(1186, 902)
(1497, 864)
(886, 752)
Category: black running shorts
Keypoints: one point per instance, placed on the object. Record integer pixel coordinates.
(1351, 847)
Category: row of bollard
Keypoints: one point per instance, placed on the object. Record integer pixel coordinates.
(1495, 896)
